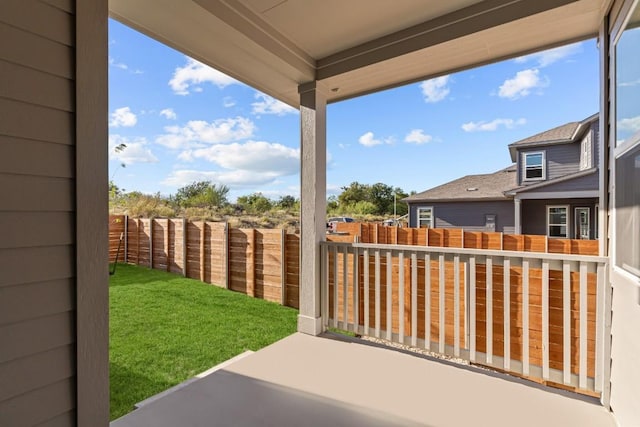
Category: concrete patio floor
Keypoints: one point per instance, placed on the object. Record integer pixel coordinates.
(317, 381)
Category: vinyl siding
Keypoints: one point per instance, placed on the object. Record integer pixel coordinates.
(534, 214)
(468, 215)
(37, 213)
(560, 160)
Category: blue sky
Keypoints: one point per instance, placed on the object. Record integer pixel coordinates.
(184, 122)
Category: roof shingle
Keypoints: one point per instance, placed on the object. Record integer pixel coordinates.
(471, 187)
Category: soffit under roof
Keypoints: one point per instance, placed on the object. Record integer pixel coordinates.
(358, 46)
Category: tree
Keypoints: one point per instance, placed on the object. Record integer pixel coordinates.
(379, 198)
(255, 203)
(286, 202)
(202, 194)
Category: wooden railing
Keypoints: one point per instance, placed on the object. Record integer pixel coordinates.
(460, 238)
(536, 315)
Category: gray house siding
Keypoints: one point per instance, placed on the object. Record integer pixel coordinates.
(583, 183)
(560, 160)
(468, 215)
(44, 146)
(534, 214)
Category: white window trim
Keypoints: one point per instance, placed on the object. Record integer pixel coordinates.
(425, 208)
(584, 165)
(544, 166)
(568, 225)
(577, 220)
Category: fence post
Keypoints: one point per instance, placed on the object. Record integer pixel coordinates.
(202, 234)
(185, 226)
(126, 238)
(225, 245)
(283, 269)
(251, 261)
(151, 243)
(166, 244)
(137, 241)
(501, 241)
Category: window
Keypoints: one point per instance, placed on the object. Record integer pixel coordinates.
(490, 222)
(534, 166)
(558, 221)
(425, 217)
(628, 211)
(585, 152)
(583, 223)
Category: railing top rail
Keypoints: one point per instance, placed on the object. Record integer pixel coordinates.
(470, 251)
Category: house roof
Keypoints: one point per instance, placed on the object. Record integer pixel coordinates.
(563, 134)
(552, 182)
(358, 46)
(490, 186)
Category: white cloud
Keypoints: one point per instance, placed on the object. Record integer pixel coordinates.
(254, 156)
(116, 64)
(630, 83)
(194, 73)
(269, 105)
(435, 90)
(417, 136)
(522, 84)
(548, 57)
(368, 140)
(198, 132)
(631, 124)
(168, 113)
(123, 117)
(233, 179)
(228, 102)
(136, 150)
(492, 125)
(122, 66)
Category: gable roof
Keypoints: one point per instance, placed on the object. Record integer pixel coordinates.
(563, 134)
(490, 186)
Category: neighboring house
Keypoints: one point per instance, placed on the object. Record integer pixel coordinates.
(473, 202)
(551, 189)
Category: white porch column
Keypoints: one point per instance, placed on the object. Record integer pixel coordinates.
(313, 202)
(517, 207)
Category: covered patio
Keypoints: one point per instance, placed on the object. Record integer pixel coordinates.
(54, 356)
(333, 380)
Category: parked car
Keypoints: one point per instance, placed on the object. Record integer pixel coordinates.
(332, 222)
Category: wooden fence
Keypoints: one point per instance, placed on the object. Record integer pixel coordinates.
(264, 263)
(459, 238)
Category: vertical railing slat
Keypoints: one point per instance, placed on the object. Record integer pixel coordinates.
(401, 304)
(441, 305)
(345, 288)
(489, 308)
(389, 297)
(525, 317)
(335, 287)
(472, 308)
(600, 286)
(414, 299)
(545, 319)
(566, 322)
(506, 275)
(377, 291)
(324, 285)
(582, 379)
(456, 305)
(427, 301)
(365, 264)
(356, 290)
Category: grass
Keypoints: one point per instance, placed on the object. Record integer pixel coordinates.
(165, 328)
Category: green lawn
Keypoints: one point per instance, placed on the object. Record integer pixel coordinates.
(165, 328)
